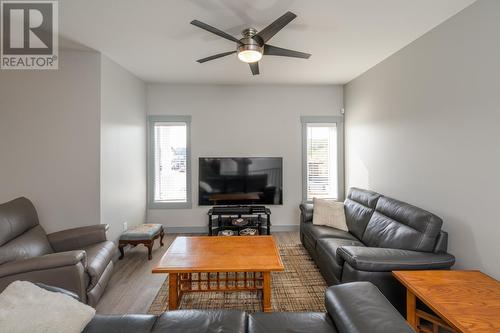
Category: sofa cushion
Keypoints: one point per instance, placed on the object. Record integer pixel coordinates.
(365, 197)
(441, 242)
(329, 213)
(359, 207)
(197, 321)
(26, 307)
(316, 232)
(328, 247)
(130, 323)
(285, 322)
(327, 256)
(32, 243)
(98, 257)
(360, 307)
(379, 259)
(21, 236)
(399, 225)
(16, 217)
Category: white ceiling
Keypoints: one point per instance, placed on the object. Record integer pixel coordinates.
(154, 40)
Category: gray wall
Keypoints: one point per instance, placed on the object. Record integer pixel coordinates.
(423, 127)
(73, 140)
(123, 148)
(229, 120)
(49, 140)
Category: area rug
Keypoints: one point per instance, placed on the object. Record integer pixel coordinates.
(299, 288)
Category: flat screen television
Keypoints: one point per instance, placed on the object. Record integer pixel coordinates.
(240, 181)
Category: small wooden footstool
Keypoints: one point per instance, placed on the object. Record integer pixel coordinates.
(142, 234)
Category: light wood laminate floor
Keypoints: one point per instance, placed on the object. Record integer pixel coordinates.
(133, 287)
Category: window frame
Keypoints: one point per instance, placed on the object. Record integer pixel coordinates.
(339, 122)
(152, 204)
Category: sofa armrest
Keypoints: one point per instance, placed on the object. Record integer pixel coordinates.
(48, 261)
(377, 259)
(77, 238)
(306, 212)
(359, 307)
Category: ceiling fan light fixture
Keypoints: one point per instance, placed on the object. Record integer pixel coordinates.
(249, 56)
(253, 45)
(249, 51)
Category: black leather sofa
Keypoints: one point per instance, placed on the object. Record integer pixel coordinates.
(384, 235)
(351, 308)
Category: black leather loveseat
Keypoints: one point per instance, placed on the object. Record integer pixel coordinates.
(384, 235)
(352, 308)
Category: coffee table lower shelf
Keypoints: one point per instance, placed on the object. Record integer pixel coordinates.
(180, 283)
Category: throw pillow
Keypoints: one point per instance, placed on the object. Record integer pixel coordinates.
(329, 213)
(25, 307)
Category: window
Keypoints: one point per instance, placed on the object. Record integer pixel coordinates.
(169, 162)
(322, 158)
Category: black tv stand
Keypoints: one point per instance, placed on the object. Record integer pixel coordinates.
(241, 209)
(220, 218)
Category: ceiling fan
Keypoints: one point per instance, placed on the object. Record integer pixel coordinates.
(254, 45)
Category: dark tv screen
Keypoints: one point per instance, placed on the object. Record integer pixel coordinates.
(240, 181)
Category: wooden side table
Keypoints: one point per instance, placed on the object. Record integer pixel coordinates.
(464, 301)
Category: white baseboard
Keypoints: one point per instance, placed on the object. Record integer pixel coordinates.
(204, 229)
(186, 230)
(285, 227)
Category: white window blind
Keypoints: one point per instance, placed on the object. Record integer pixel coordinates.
(170, 162)
(321, 161)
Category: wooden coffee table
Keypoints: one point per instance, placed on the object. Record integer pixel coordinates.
(220, 263)
(465, 301)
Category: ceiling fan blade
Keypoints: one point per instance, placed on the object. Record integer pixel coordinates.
(215, 56)
(278, 51)
(254, 67)
(213, 30)
(268, 32)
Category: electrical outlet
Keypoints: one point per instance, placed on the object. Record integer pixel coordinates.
(125, 226)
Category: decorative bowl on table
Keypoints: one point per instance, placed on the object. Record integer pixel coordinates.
(249, 232)
(239, 222)
(226, 233)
